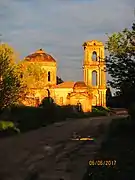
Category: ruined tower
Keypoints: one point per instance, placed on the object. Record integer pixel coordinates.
(94, 71)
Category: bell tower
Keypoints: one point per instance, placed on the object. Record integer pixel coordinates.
(94, 71)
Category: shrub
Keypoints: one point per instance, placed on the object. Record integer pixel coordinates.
(108, 109)
(8, 127)
(98, 111)
(31, 118)
(100, 108)
(6, 124)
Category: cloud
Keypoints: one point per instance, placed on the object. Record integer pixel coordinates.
(61, 26)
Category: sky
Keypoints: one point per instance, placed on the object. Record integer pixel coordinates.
(60, 27)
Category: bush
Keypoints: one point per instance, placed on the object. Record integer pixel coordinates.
(4, 125)
(47, 102)
(30, 118)
(8, 128)
(99, 113)
(99, 110)
(69, 112)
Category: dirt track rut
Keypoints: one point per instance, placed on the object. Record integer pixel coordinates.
(49, 153)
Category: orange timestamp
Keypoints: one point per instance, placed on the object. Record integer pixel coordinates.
(102, 162)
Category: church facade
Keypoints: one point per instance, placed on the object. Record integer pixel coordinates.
(89, 92)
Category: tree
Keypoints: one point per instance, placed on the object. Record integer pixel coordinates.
(59, 80)
(108, 97)
(121, 63)
(133, 26)
(33, 75)
(11, 86)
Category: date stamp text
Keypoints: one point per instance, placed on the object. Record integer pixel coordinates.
(102, 162)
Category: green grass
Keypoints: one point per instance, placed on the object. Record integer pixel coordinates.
(119, 146)
(100, 109)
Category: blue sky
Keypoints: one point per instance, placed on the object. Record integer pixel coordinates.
(61, 26)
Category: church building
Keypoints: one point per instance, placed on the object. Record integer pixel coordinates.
(89, 92)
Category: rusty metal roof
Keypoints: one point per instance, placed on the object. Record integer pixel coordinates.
(40, 56)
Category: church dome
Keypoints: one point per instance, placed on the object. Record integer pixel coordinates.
(40, 56)
(80, 85)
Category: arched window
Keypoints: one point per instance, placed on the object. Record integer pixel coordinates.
(94, 78)
(49, 76)
(94, 56)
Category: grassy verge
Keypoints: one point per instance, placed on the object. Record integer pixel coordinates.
(119, 146)
(29, 118)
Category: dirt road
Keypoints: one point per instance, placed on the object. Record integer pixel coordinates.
(49, 153)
